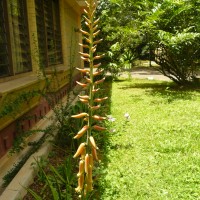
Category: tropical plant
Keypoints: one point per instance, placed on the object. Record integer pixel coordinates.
(176, 37)
(58, 183)
(139, 27)
(178, 56)
(87, 150)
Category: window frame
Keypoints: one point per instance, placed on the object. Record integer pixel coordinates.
(11, 36)
(49, 16)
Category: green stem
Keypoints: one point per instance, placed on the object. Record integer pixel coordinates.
(91, 95)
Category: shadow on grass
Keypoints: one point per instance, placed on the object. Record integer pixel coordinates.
(168, 90)
(102, 138)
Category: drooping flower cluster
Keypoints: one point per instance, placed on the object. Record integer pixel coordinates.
(87, 151)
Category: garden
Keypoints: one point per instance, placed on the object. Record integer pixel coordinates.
(130, 138)
(150, 149)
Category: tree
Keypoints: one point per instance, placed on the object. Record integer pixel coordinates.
(122, 39)
(172, 26)
(176, 38)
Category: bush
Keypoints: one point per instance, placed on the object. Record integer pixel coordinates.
(179, 56)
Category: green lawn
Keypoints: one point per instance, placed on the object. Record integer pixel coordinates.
(155, 154)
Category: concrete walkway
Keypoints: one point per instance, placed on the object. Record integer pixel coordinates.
(144, 71)
(150, 74)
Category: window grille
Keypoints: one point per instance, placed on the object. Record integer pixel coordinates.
(4, 59)
(48, 30)
(21, 50)
(14, 38)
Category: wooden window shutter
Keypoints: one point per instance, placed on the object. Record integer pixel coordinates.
(21, 50)
(4, 52)
(49, 34)
(41, 32)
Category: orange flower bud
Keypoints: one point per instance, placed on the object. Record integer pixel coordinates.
(95, 90)
(88, 40)
(96, 21)
(85, 54)
(84, 45)
(84, 97)
(94, 154)
(93, 51)
(80, 184)
(81, 84)
(93, 12)
(83, 70)
(84, 32)
(96, 33)
(85, 119)
(88, 80)
(97, 72)
(91, 160)
(85, 11)
(84, 101)
(79, 115)
(100, 99)
(98, 65)
(85, 59)
(98, 41)
(87, 19)
(81, 168)
(99, 57)
(81, 132)
(95, 28)
(88, 5)
(89, 180)
(87, 24)
(89, 176)
(95, 107)
(92, 142)
(96, 117)
(89, 186)
(99, 128)
(83, 154)
(94, 47)
(87, 163)
(80, 150)
(100, 81)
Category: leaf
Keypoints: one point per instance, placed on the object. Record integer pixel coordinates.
(57, 173)
(35, 195)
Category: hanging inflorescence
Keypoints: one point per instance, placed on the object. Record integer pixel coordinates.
(87, 151)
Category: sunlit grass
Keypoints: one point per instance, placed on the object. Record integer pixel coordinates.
(156, 153)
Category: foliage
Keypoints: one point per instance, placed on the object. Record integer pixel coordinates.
(58, 183)
(67, 146)
(152, 150)
(176, 36)
(121, 38)
(12, 106)
(87, 150)
(181, 69)
(137, 25)
(62, 112)
(17, 166)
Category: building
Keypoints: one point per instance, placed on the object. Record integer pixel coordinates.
(37, 38)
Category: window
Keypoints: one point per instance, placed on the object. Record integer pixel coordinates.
(48, 31)
(4, 60)
(14, 38)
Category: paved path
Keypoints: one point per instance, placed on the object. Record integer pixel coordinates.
(146, 72)
(150, 74)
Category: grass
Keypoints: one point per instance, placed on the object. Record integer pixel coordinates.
(155, 154)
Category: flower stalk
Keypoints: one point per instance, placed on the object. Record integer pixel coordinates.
(87, 151)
